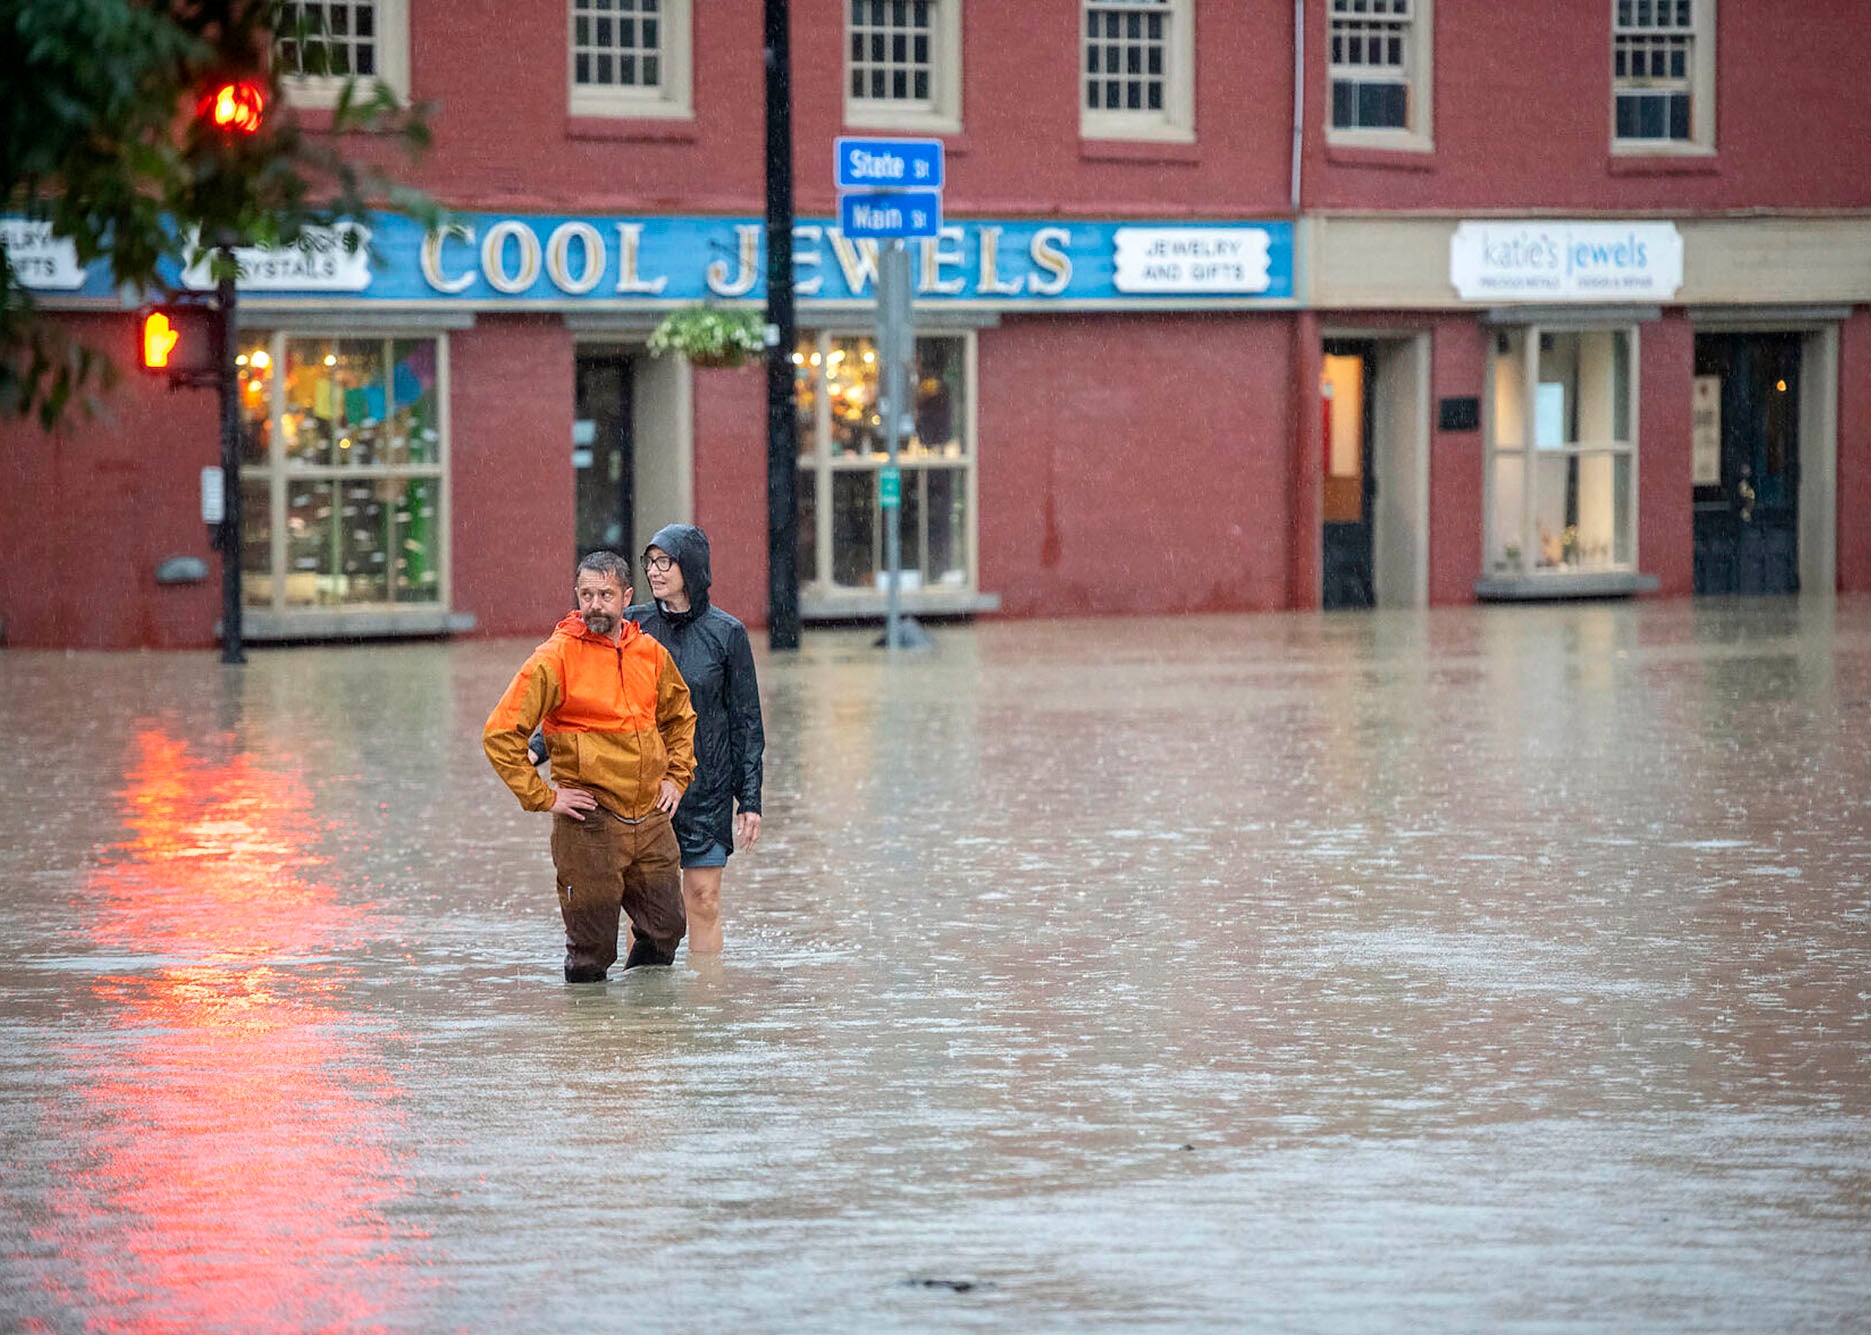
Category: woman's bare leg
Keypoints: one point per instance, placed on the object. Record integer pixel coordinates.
(701, 898)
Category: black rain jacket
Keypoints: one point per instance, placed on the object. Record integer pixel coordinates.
(712, 653)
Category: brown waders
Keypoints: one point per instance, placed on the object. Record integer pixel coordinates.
(606, 864)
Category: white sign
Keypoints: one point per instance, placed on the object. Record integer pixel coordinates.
(1561, 261)
(213, 496)
(41, 260)
(1191, 259)
(317, 262)
(1705, 432)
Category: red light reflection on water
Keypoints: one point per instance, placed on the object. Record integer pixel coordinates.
(240, 1140)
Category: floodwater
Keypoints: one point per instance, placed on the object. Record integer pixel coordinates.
(1496, 969)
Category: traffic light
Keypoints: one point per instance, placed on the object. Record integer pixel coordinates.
(180, 340)
(235, 107)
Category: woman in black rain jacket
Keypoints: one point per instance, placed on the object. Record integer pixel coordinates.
(711, 651)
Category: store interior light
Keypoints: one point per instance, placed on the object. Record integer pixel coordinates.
(330, 360)
(261, 360)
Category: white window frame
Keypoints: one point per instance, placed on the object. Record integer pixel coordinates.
(817, 459)
(321, 92)
(1175, 123)
(940, 113)
(1418, 134)
(278, 473)
(1525, 563)
(673, 99)
(1700, 80)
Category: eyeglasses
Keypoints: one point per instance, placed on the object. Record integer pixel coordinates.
(658, 563)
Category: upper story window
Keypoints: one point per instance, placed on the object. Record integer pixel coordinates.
(323, 44)
(630, 58)
(1380, 63)
(1663, 75)
(903, 64)
(1138, 70)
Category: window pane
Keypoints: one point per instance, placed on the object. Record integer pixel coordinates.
(938, 392)
(336, 398)
(1584, 392)
(945, 505)
(309, 513)
(854, 528)
(256, 399)
(1679, 116)
(256, 544)
(1383, 106)
(1510, 391)
(417, 553)
(413, 431)
(851, 389)
(806, 381)
(808, 526)
(1510, 480)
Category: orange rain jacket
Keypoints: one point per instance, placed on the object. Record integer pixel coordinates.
(617, 720)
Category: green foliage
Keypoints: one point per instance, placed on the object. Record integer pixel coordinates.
(98, 135)
(710, 336)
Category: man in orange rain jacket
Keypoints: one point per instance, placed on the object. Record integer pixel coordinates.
(621, 736)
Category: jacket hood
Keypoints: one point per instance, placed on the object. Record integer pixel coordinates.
(689, 545)
(572, 627)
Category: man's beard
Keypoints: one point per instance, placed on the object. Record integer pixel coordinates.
(600, 623)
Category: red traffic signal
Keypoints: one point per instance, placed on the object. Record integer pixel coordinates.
(235, 107)
(178, 340)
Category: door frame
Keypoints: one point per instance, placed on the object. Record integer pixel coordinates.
(1399, 394)
(1818, 434)
(662, 427)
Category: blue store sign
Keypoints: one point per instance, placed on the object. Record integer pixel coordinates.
(491, 261)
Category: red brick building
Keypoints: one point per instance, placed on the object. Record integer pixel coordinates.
(1506, 302)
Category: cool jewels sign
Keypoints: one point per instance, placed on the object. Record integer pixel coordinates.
(1561, 261)
(545, 263)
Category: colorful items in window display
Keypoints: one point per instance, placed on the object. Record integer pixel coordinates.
(340, 407)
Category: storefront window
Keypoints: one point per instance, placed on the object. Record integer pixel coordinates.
(843, 449)
(342, 489)
(1562, 452)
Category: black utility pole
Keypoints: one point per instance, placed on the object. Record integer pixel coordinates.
(232, 650)
(782, 329)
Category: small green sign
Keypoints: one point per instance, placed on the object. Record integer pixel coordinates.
(890, 487)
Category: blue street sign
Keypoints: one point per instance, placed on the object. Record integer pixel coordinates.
(889, 164)
(897, 215)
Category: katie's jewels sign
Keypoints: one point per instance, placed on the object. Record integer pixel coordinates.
(545, 263)
(1566, 261)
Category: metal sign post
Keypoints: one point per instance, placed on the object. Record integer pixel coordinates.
(233, 645)
(896, 344)
(891, 191)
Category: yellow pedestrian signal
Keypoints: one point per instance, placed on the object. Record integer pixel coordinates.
(180, 340)
(159, 340)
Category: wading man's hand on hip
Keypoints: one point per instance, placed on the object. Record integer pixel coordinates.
(573, 802)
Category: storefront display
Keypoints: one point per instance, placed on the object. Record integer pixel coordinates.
(342, 470)
(843, 451)
(1562, 471)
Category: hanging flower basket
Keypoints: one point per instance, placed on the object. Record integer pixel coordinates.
(710, 337)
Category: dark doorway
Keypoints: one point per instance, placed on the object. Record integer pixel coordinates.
(603, 452)
(1747, 499)
(1350, 484)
